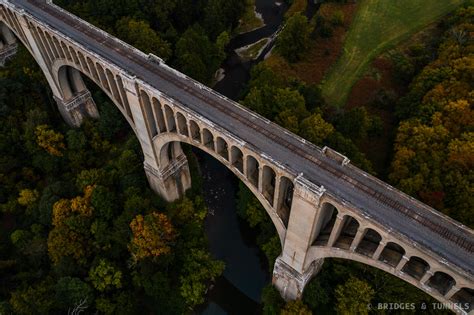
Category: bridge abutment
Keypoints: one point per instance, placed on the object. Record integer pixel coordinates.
(8, 44)
(291, 282)
(172, 181)
(77, 108)
(6, 52)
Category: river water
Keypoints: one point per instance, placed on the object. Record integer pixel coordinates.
(231, 240)
(238, 290)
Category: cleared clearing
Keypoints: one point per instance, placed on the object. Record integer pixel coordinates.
(378, 25)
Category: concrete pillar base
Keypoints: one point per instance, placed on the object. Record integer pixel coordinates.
(76, 109)
(173, 181)
(290, 282)
(6, 52)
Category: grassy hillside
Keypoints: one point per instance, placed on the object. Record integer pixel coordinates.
(378, 24)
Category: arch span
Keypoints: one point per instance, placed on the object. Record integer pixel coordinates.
(439, 285)
(164, 142)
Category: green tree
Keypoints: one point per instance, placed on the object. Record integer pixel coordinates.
(296, 307)
(315, 129)
(271, 300)
(105, 276)
(71, 291)
(104, 202)
(140, 35)
(197, 55)
(34, 299)
(294, 38)
(198, 269)
(314, 295)
(353, 297)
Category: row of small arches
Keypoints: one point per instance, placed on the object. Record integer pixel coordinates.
(343, 231)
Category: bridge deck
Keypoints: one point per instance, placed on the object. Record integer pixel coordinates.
(378, 200)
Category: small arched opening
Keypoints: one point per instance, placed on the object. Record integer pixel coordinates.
(182, 124)
(170, 121)
(159, 116)
(349, 229)
(368, 245)
(441, 282)
(113, 84)
(208, 139)
(284, 199)
(237, 159)
(222, 148)
(416, 267)
(195, 131)
(93, 70)
(392, 254)
(325, 224)
(268, 183)
(148, 111)
(464, 297)
(102, 77)
(252, 171)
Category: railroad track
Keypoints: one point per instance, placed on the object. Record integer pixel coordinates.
(190, 88)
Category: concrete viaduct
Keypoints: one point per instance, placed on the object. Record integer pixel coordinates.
(321, 205)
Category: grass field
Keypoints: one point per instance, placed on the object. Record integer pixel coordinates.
(378, 24)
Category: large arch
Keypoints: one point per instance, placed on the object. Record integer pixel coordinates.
(163, 142)
(393, 259)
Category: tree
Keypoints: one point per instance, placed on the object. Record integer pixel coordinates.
(197, 56)
(140, 35)
(49, 140)
(153, 235)
(288, 99)
(315, 129)
(28, 197)
(104, 202)
(34, 299)
(271, 300)
(294, 38)
(296, 307)
(64, 242)
(272, 249)
(198, 269)
(105, 276)
(70, 291)
(314, 295)
(353, 297)
(81, 206)
(355, 123)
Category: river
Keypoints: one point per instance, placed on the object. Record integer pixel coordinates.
(238, 290)
(231, 239)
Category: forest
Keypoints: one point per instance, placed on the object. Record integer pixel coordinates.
(80, 228)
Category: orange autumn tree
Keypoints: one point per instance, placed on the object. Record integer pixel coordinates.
(69, 238)
(50, 140)
(152, 236)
